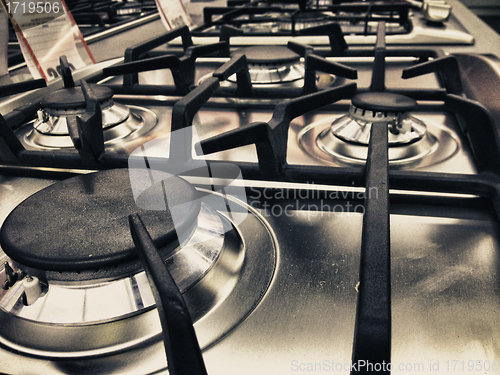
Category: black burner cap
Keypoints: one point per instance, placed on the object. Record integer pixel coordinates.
(269, 55)
(72, 98)
(384, 102)
(82, 223)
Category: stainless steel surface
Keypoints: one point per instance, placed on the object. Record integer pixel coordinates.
(300, 317)
(435, 318)
(122, 28)
(484, 39)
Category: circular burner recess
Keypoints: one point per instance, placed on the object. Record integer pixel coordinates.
(120, 123)
(82, 223)
(226, 279)
(345, 140)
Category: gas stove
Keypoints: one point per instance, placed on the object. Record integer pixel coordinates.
(407, 22)
(218, 210)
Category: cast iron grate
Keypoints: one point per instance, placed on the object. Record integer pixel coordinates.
(373, 323)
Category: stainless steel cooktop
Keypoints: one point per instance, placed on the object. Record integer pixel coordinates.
(279, 292)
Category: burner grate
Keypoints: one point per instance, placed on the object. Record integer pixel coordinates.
(262, 18)
(373, 323)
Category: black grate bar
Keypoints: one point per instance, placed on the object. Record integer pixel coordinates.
(135, 52)
(21, 115)
(260, 93)
(9, 137)
(372, 337)
(271, 138)
(237, 65)
(231, 14)
(182, 68)
(421, 53)
(338, 45)
(86, 131)
(227, 13)
(448, 69)
(17, 88)
(179, 338)
(478, 124)
(183, 112)
(378, 74)
(486, 185)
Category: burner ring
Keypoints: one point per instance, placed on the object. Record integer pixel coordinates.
(54, 122)
(218, 302)
(436, 146)
(138, 123)
(356, 128)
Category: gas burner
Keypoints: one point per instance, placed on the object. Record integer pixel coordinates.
(305, 20)
(119, 122)
(261, 27)
(277, 66)
(346, 139)
(73, 274)
(272, 65)
(371, 107)
(92, 212)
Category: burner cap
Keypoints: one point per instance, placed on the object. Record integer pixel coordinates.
(269, 55)
(82, 223)
(72, 98)
(384, 102)
(272, 65)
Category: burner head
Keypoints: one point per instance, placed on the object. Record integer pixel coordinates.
(384, 102)
(81, 224)
(72, 98)
(305, 20)
(70, 102)
(272, 64)
(371, 107)
(269, 55)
